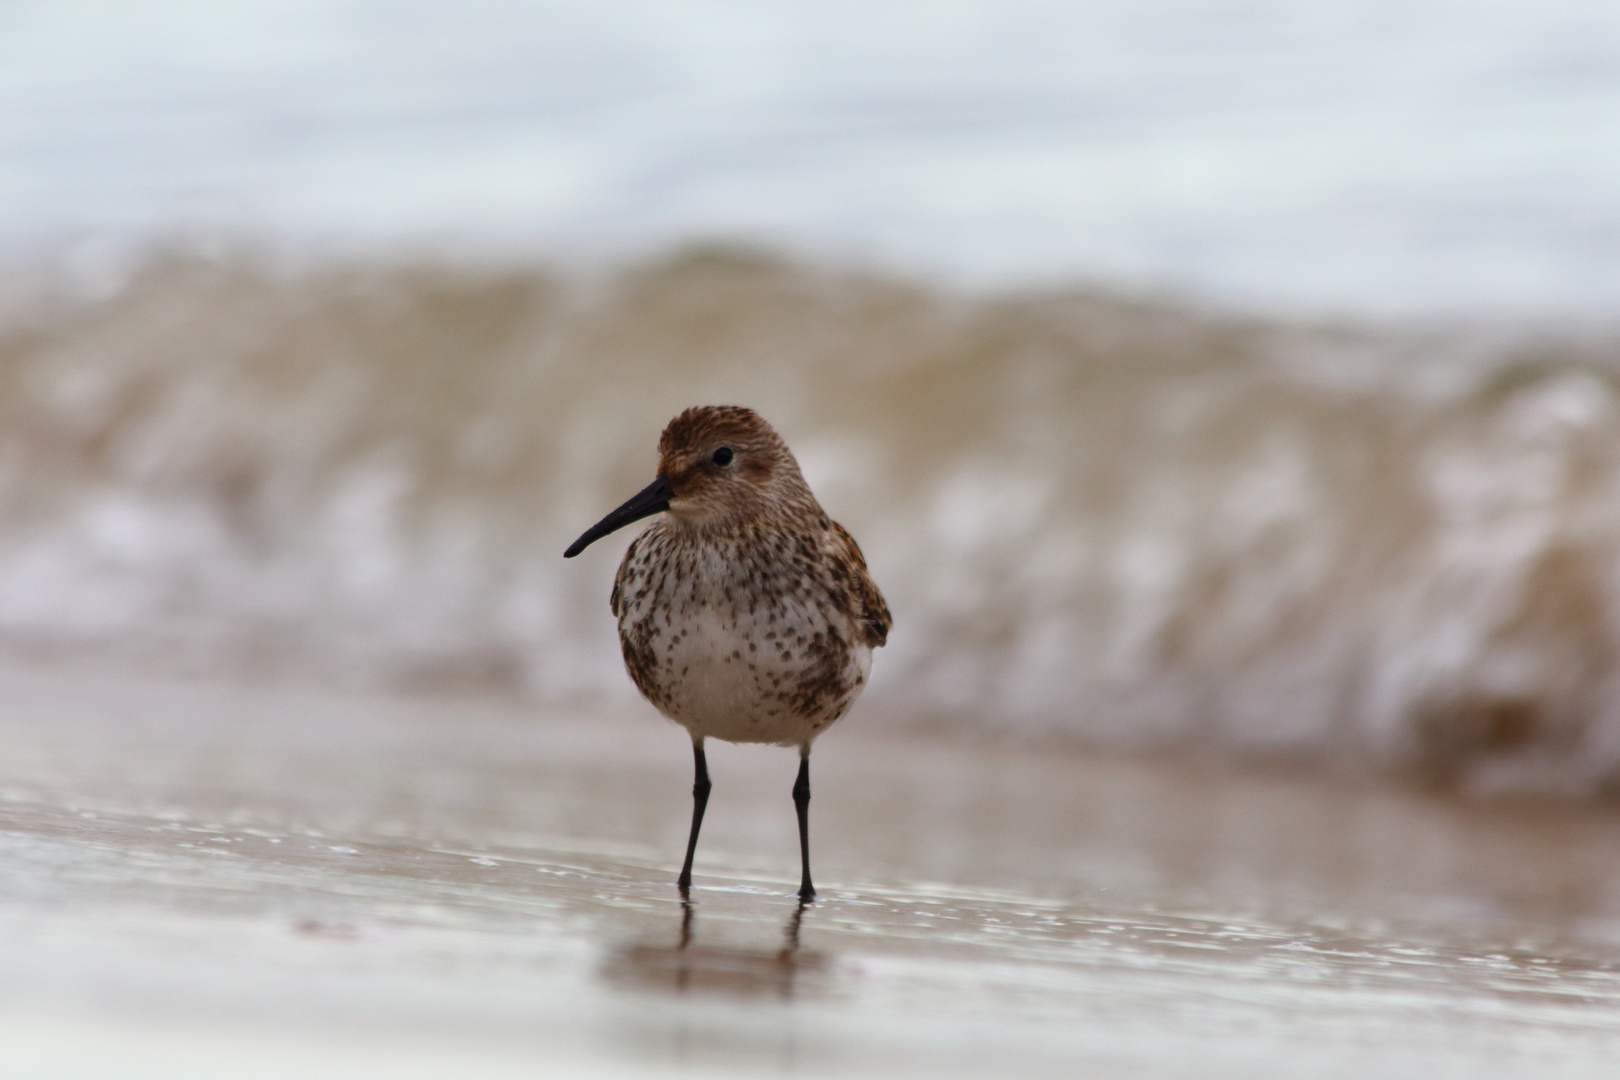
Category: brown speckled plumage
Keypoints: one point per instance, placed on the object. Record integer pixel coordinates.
(745, 612)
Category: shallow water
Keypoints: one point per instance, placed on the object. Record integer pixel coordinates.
(203, 878)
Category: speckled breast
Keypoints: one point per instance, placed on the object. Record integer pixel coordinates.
(736, 642)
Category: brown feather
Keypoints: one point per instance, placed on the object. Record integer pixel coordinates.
(874, 612)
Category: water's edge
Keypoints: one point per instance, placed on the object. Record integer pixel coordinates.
(256, 882)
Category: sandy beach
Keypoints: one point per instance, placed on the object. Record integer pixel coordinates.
(1226, 400)
(204, 880)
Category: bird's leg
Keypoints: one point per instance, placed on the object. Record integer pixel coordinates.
(700, 800)
(801, 803)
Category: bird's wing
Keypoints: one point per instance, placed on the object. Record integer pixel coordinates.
(846, 555)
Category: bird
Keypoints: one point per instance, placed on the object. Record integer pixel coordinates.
(745, 613)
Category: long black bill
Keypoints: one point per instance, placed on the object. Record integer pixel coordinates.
(644, 503)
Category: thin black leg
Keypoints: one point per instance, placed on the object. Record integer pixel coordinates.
(700, 800)
(801, 803)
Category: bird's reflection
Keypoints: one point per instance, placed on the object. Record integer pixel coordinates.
(690, 966)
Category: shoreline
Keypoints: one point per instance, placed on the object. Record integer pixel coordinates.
(192, 872)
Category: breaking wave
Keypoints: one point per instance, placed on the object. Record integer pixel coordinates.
(1130, 522)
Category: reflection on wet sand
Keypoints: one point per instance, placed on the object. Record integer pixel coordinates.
(690, 966)
(383, 870)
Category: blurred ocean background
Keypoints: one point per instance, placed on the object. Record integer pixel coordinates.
(1242, 377)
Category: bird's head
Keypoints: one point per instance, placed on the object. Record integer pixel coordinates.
(719, 466)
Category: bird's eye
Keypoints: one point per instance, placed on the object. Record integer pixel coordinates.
(723, 456)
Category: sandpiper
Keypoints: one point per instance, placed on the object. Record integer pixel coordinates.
(745, 612)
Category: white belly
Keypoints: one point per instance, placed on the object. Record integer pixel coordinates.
(729, 681)
(725, 667)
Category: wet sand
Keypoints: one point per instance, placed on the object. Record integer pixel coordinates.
(203, 880)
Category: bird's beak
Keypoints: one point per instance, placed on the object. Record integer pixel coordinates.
(644, 503)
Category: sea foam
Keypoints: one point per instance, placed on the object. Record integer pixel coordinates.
(1127, 522)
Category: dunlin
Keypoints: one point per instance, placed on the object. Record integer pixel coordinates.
(745, 613)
